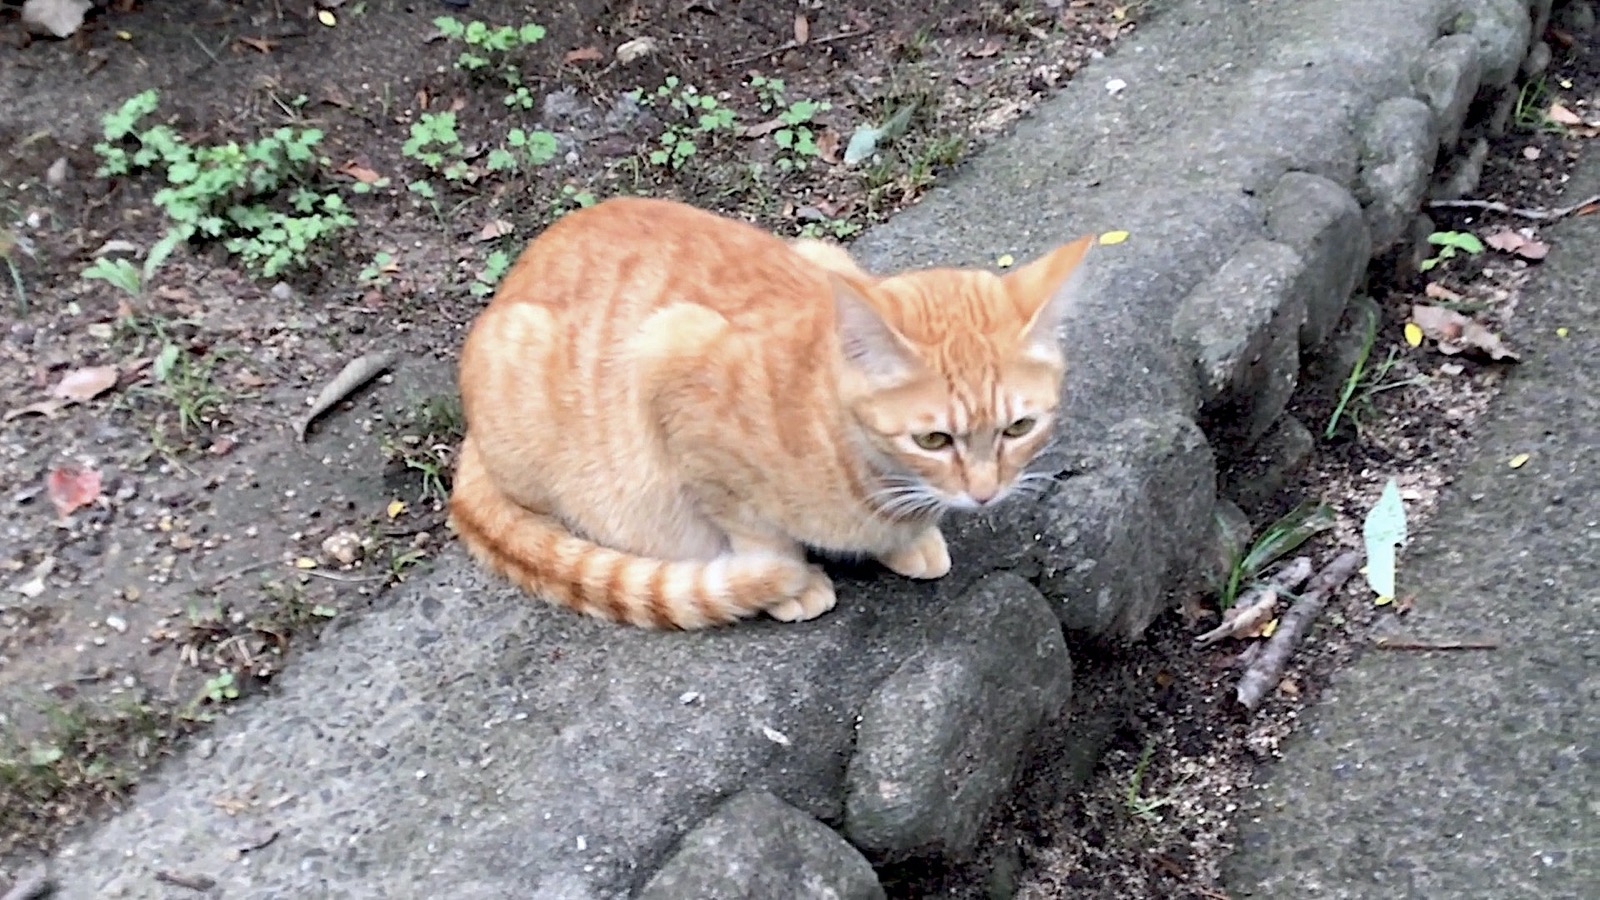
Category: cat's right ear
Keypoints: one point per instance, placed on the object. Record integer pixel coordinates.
(869, 344)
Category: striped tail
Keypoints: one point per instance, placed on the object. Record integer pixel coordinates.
(536, 552)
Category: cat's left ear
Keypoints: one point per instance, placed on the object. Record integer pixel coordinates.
(1046, 286)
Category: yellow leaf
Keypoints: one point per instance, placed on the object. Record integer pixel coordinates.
(1520, 460)
(1413, 334)
(396, 507)
(1113, 237)
(305, 562)
(124, 35)
(1565, 82)
(1562, 332)
(1005, 261)
(326, 18)
(1383, 600)
(1269, 628)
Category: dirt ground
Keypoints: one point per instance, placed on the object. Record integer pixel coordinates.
(166, 541)
(205, 544)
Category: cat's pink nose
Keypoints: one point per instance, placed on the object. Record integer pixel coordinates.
(983, 493)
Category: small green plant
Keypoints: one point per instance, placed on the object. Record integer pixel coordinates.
(425, 443)
(1361, 385)
(260, 199)
(1532, 109)
(536, 147)
(692, 118)
(11, 246)
(495, 266)
(118, 272)
(796, 138)
(838, 229)
(1141, 806)
(220, 688)
(435, 143)
(489, 47)
(1358, 373)
(1275, 542)
(186, 385)
(1450, 243)
(571, 198)
(376, 273)
(401, 561)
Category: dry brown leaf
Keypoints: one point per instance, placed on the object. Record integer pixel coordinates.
(85, 384)
(46, 408)
(260, 45)
(495, 228)
(71, 487)
(1508, 241)
(584, 54)
(1562, 116)
(1455, 333)
(988, 49)
(360, 173)
(828, 146)
(802, 29)
(762, 129)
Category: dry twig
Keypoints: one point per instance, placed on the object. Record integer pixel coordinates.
(357, 372)
(1538, 215)
(1388, 643)
(786, 46)
(1255, 607)
(1267, 669)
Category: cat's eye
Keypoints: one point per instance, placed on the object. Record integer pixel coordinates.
(933, 440)
(1020, 427)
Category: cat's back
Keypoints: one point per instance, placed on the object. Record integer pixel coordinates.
(620, 260)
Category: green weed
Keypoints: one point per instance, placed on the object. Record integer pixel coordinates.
(796, 140)
(1144, 807)
(259, 199)
(1275, 542)
(185, 384)
(490, 48)
(1450, 243)
(693, 118)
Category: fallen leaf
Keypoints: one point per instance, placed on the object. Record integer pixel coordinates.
(1455, 333)
(46, 408)
(1562, 116)
(1439, 292)
(1413, 334)
(221, 446)
(54, 18)
(327, 18)
(1509, 241)
(80, 385)
(802, 29)
(495, 228)
(1520, 460)
(984, 51)
(395, 508)
(762, 129)
(305, 562)
(360, 173)
(584, 54)
(1383, 532)
(71, 486)
(828, 146)
(636, 49)
(1005, 261)
(1266, 630)
(1113, 237)
(1562, 331)
(260, 45)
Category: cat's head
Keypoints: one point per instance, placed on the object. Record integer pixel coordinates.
(954, 375)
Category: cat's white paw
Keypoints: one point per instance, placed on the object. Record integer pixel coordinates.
(815, 600)
(925, 557)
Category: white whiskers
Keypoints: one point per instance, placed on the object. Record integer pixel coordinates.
(901, 497)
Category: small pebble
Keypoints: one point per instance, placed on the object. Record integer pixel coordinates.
(117, 623)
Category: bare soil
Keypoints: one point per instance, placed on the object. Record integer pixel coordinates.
(214, 544)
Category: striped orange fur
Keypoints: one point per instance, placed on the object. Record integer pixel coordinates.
(666, 407)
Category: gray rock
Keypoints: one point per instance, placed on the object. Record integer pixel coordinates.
(1540, 10)
(756, 847)
(1322, 222)
(1242, 328)
(1232, 532)
(1109, 570)
(1465, 173)
(1326, 372)
(1447, 78)
(1398, 148)
(1280, 455)
(1576, 17)
(942, 738)
(1502, 29)
(1537, 60)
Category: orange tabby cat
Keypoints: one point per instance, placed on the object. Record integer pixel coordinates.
(666, 407)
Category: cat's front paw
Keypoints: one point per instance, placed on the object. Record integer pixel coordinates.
(925, 557)
(815, 600)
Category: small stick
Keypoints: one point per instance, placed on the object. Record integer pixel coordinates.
(1386, 643)
(31, 886)
(1538, 215)
(1254, 607)
(357, 372)
(192, 882)
(1267, 669)
(786, 46)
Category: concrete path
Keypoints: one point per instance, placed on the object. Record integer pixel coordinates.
(1474, 774)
